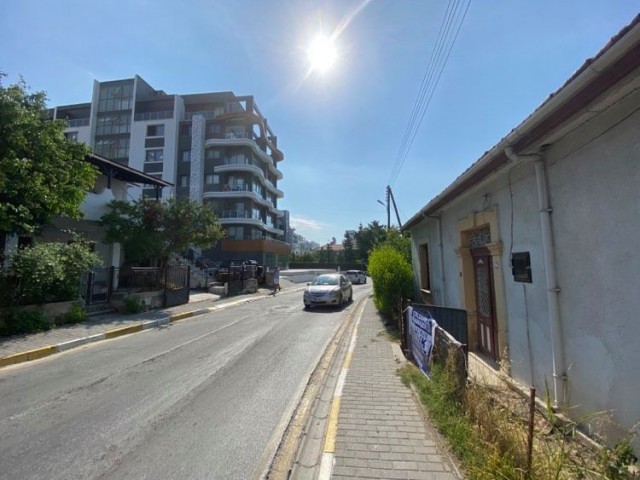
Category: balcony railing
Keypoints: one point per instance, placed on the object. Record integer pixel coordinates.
(78, 122)
(227, 187)
(153, 115)
(204, 113)
(235, 214)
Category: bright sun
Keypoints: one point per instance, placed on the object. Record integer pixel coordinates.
(322, 53)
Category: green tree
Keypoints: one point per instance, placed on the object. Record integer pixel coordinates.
(368, 237)
(399, 242)
(151, 231)
(42, 174)
(349, 251)
(306, 257)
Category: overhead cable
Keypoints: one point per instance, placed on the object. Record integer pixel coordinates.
(448, 33)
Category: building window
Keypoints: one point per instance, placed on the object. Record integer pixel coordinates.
(112, 148)
(184, 180)
(185, 130)
(186, 155)
(212, 179)
(213, 129)
(71, 136)
(236, 233)
(212, 154)
(155, 155)
(155, 130)
(115, 97)
(113, 124)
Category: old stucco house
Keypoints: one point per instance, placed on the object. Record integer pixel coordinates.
(538, 241)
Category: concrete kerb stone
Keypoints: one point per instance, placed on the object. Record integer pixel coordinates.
(42, 352)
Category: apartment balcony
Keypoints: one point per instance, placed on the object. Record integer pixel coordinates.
(238, 166)
(244, 140)
(78, 122)
(235, 191)
(274, 189)
(245, 217)
(153, 115)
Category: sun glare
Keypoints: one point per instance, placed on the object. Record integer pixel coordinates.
(322, 54)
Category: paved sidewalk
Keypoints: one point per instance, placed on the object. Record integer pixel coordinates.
(381, 431)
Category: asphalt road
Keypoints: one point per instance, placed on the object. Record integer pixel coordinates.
(204, 398)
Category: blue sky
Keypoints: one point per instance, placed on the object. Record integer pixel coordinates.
(341, 131)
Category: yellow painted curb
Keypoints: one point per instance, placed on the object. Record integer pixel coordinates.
(332, 426)
(123, 331)
(180, 316)
(27, 356)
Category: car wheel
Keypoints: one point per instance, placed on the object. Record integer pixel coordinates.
(340, 301)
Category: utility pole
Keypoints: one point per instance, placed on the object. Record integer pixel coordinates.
(387, 204)
(388, 207)
(395, 207)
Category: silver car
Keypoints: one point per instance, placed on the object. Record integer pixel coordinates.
(332, 289)
(356, 276)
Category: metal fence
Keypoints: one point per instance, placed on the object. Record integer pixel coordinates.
(450, 347)
(98, 285)
(453, 320)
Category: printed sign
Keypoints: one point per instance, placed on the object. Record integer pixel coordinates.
(423, 330)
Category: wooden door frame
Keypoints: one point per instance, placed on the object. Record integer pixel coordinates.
(477, 253)
(466, 277)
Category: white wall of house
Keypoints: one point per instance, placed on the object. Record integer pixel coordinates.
(593, 176)
(95, 203)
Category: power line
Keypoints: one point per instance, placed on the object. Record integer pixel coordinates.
(447, 35)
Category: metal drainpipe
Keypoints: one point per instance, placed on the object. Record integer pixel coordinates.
(553, 291)
(443, 299)
(442, 278)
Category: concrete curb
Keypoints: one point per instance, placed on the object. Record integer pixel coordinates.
(42, 352)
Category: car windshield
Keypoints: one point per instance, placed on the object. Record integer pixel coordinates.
(326, 280)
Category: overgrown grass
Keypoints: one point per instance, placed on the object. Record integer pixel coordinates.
(479, 457)
(487, 431)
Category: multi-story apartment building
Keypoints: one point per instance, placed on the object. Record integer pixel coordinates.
(216, 148)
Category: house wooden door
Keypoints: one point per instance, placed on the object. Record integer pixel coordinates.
(485, 306)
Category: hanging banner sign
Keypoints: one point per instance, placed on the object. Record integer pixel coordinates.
(422, 329)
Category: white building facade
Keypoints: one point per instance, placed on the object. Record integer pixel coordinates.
(216, 148)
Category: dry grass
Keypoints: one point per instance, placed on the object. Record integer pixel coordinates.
(487, 429)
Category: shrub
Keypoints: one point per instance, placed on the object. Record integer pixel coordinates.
(392, 277)
(51, 272)
(14, 322)
(133, 304)
(76, 314)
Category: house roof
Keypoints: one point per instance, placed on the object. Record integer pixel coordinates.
(334, 247)
(118, 171)
(617, 59)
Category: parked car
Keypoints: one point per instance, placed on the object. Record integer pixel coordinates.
(332, 289)
(356, 277)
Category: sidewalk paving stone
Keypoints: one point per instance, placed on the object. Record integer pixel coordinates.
(382, 432)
